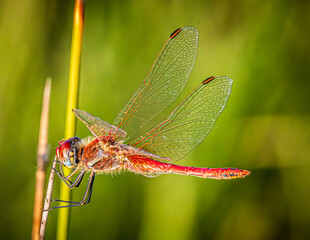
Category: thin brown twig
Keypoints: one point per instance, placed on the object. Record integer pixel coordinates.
(47, 201)
(42, 160)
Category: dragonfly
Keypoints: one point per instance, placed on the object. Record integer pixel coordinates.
(132, 143)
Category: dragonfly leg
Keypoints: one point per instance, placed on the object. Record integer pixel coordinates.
(70, 175)
(70, 184)
(61, 171)
(86, 197)
(79, 179)
(62, 175)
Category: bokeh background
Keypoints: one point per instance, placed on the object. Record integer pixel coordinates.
(262, 44)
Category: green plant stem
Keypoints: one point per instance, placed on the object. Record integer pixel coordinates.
(76, 47)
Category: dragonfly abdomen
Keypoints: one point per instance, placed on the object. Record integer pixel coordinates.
(149, 167)
(215, 173)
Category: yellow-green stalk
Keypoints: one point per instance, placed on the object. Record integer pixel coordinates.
(76, 46)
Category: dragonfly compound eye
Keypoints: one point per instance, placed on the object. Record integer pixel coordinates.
(68, 152)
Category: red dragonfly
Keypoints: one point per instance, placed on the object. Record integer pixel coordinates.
(131, 144)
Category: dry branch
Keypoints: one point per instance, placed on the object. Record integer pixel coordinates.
(42, 160)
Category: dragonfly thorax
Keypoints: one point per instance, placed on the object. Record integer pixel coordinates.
(103, 155)
(68, 152)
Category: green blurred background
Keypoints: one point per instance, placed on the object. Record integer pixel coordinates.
(262, 45)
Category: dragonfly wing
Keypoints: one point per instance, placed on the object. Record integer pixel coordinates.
(165, 81)
(190, 122)
(98, 127)
(132, 151)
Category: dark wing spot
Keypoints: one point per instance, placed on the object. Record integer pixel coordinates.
(175, 33)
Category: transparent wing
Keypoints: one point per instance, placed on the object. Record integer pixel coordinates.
(190, 122)
(165, 81)
(98, 127)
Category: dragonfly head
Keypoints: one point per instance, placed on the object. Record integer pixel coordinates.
(68, 152)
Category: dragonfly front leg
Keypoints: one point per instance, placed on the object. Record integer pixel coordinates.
(66, 180)
(77, 181)
(86, 197)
